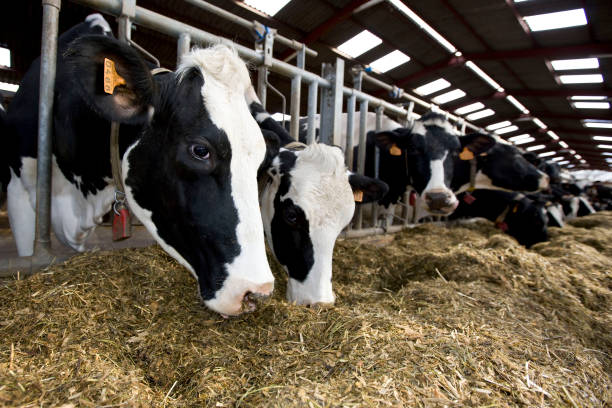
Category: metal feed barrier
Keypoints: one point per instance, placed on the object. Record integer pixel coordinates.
(330, 82)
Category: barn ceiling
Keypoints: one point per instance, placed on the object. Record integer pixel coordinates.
(490, 33)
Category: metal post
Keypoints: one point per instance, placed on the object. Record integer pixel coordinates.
(350, 130)
(313, 89)
(294, 124)
(361, 152)
(409, 121)
(48, 65)
(262, 82)
(182, 48)
(124, 21)
(266, 48)
(331, 102)
(379, 118)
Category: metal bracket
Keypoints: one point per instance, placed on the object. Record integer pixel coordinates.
(124, 21)
(55, 3)
(264, 41)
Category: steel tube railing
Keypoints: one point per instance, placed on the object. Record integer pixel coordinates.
(313, 90)
(296, 45)
(48, 61)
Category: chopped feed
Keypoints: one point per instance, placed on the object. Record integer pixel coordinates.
(433, 316)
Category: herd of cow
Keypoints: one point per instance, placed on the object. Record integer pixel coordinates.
(210, 174)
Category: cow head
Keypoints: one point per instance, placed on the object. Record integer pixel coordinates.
(527, 221)
(430, 147)
(505, 168)
(307, 200)
(190, 173)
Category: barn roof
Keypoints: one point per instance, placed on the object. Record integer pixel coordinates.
(490, 33)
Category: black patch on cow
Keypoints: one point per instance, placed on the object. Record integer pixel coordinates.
(289, 227)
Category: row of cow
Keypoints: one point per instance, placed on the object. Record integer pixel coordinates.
(209, 173)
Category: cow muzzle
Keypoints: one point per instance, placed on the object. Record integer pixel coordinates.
(238, 296)
(544, 181)
(440, 202)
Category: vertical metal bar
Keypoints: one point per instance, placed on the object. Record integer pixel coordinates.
(48, 65)
(361, 152)
(301, 58)
(313, 89)
(409, 121)
(294, 124)
(331, 103)
(182, 47)
(350, 130)
(463, 125)
(262, 84)
(379, 118)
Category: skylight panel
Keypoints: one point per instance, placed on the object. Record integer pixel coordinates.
(591, 105)
(606, 153)
(270, 7)
(432, 87)
(587, 98)
(8, 87)
(578, 156)
(594, 123)
(362, 42)
(552, 135)
(546, 154)
(390, 61)
(469, 108)
(448, 96)
(518, 137)
(556, 159)
(552, 21)
(539, 123)
(499, 125)
(581, 79)
(604, 146)
(506, 130)
(562, 163)
(5, 57)
(603, 138)
(563, 144)
(480, 114)
(523, 141)
(580, 63)
(536, 147)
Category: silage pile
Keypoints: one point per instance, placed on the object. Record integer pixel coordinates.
(435, 316)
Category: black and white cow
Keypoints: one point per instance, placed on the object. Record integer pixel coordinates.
(503, 167)
(512, 212)
(190, 151)
(5, 174)
(307, 198)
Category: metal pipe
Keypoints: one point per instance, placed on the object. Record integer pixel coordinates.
(294, 123)
(296, 45)
(379, 118)
(313, 89)
(182, 47)
(48, 61)
(361, 152)
(350, 130)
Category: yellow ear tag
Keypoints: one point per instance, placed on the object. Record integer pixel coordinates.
(358, 196)
(111, 78)
(395, 151)
(515, 209)
(466, 154)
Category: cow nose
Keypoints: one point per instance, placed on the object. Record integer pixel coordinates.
(544, 181)
(439, 201)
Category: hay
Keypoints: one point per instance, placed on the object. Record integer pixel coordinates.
(437, 316)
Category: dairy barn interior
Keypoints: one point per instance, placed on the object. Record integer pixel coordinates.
(313, 203)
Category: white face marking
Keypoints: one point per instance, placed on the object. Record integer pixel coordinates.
(544, 180)
(73, 216)
(96, 19)
(261, 116)
(226, 82)
(320, 187)
(556, 213)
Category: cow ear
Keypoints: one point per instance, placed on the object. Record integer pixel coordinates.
(113, 79)
(272, 148)
(474, 144)
(389, 141)
(367, 189)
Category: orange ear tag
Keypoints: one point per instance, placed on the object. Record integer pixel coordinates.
(395, 151)
(358, 196)
(515, 209)
(466, 154)
(111, 78)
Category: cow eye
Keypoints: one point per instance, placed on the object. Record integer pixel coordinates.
(199, 152)
(290, 216)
